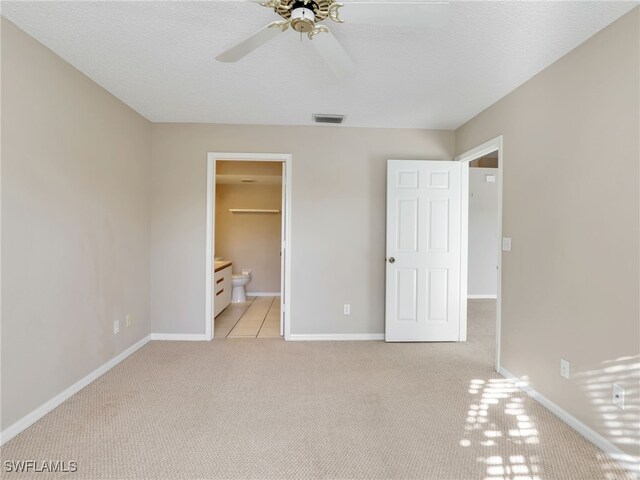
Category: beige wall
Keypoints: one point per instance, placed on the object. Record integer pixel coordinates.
(75, 224)
(250, 240)
(338, 218)
(571, 282)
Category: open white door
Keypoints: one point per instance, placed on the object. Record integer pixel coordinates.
(423, 251)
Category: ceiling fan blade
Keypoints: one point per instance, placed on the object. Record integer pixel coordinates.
(332, 53)
(406, 14)
(250, 43)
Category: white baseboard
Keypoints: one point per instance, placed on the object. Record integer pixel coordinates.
(263, 294)
(626, 461)
(180, 337)
(336, 336)
(29, 419)
(478, 297)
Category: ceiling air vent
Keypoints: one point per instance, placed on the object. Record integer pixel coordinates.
(327, 118)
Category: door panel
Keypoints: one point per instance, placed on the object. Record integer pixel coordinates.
(407, 179)
(407, 284)
(438, 225)
(439, 179)
(437, 294)
(423, 251)
(407, 225)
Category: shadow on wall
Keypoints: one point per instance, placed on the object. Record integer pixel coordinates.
(621, 426)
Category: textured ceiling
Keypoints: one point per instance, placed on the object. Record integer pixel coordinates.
(158, 57)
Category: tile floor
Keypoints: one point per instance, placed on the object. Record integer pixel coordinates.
(258, 317)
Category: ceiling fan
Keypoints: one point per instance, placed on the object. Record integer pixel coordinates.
(304, 16)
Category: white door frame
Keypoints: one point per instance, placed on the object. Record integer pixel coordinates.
(492, 145)
(286, 159)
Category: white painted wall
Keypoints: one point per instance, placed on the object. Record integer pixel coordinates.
(483, 233)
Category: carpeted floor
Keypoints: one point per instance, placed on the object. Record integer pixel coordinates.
(265, 408)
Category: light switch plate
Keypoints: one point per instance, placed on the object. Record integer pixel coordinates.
(564, 368)
(116, 326)
(347, 309)
(506, 244)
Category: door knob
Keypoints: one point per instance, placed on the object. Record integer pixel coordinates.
(392, 260)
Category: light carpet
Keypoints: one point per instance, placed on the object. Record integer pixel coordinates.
(265, 408)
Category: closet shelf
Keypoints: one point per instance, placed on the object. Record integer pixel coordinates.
(252, 210)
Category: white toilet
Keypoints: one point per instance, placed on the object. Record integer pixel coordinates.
(239, 281)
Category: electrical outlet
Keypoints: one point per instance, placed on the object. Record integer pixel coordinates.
(347, 309)
(116, 326)
(128, 320)
(617, 397)
(564, 368)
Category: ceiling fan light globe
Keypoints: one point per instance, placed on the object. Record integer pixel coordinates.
(302, 19)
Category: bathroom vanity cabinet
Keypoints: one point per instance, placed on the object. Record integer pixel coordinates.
(222, 287)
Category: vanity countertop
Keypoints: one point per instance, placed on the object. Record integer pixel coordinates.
(219, 265)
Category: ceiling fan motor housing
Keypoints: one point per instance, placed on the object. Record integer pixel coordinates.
(320, 8)
(302, 19)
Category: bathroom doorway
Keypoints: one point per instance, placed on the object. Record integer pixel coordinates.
(248, 259)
